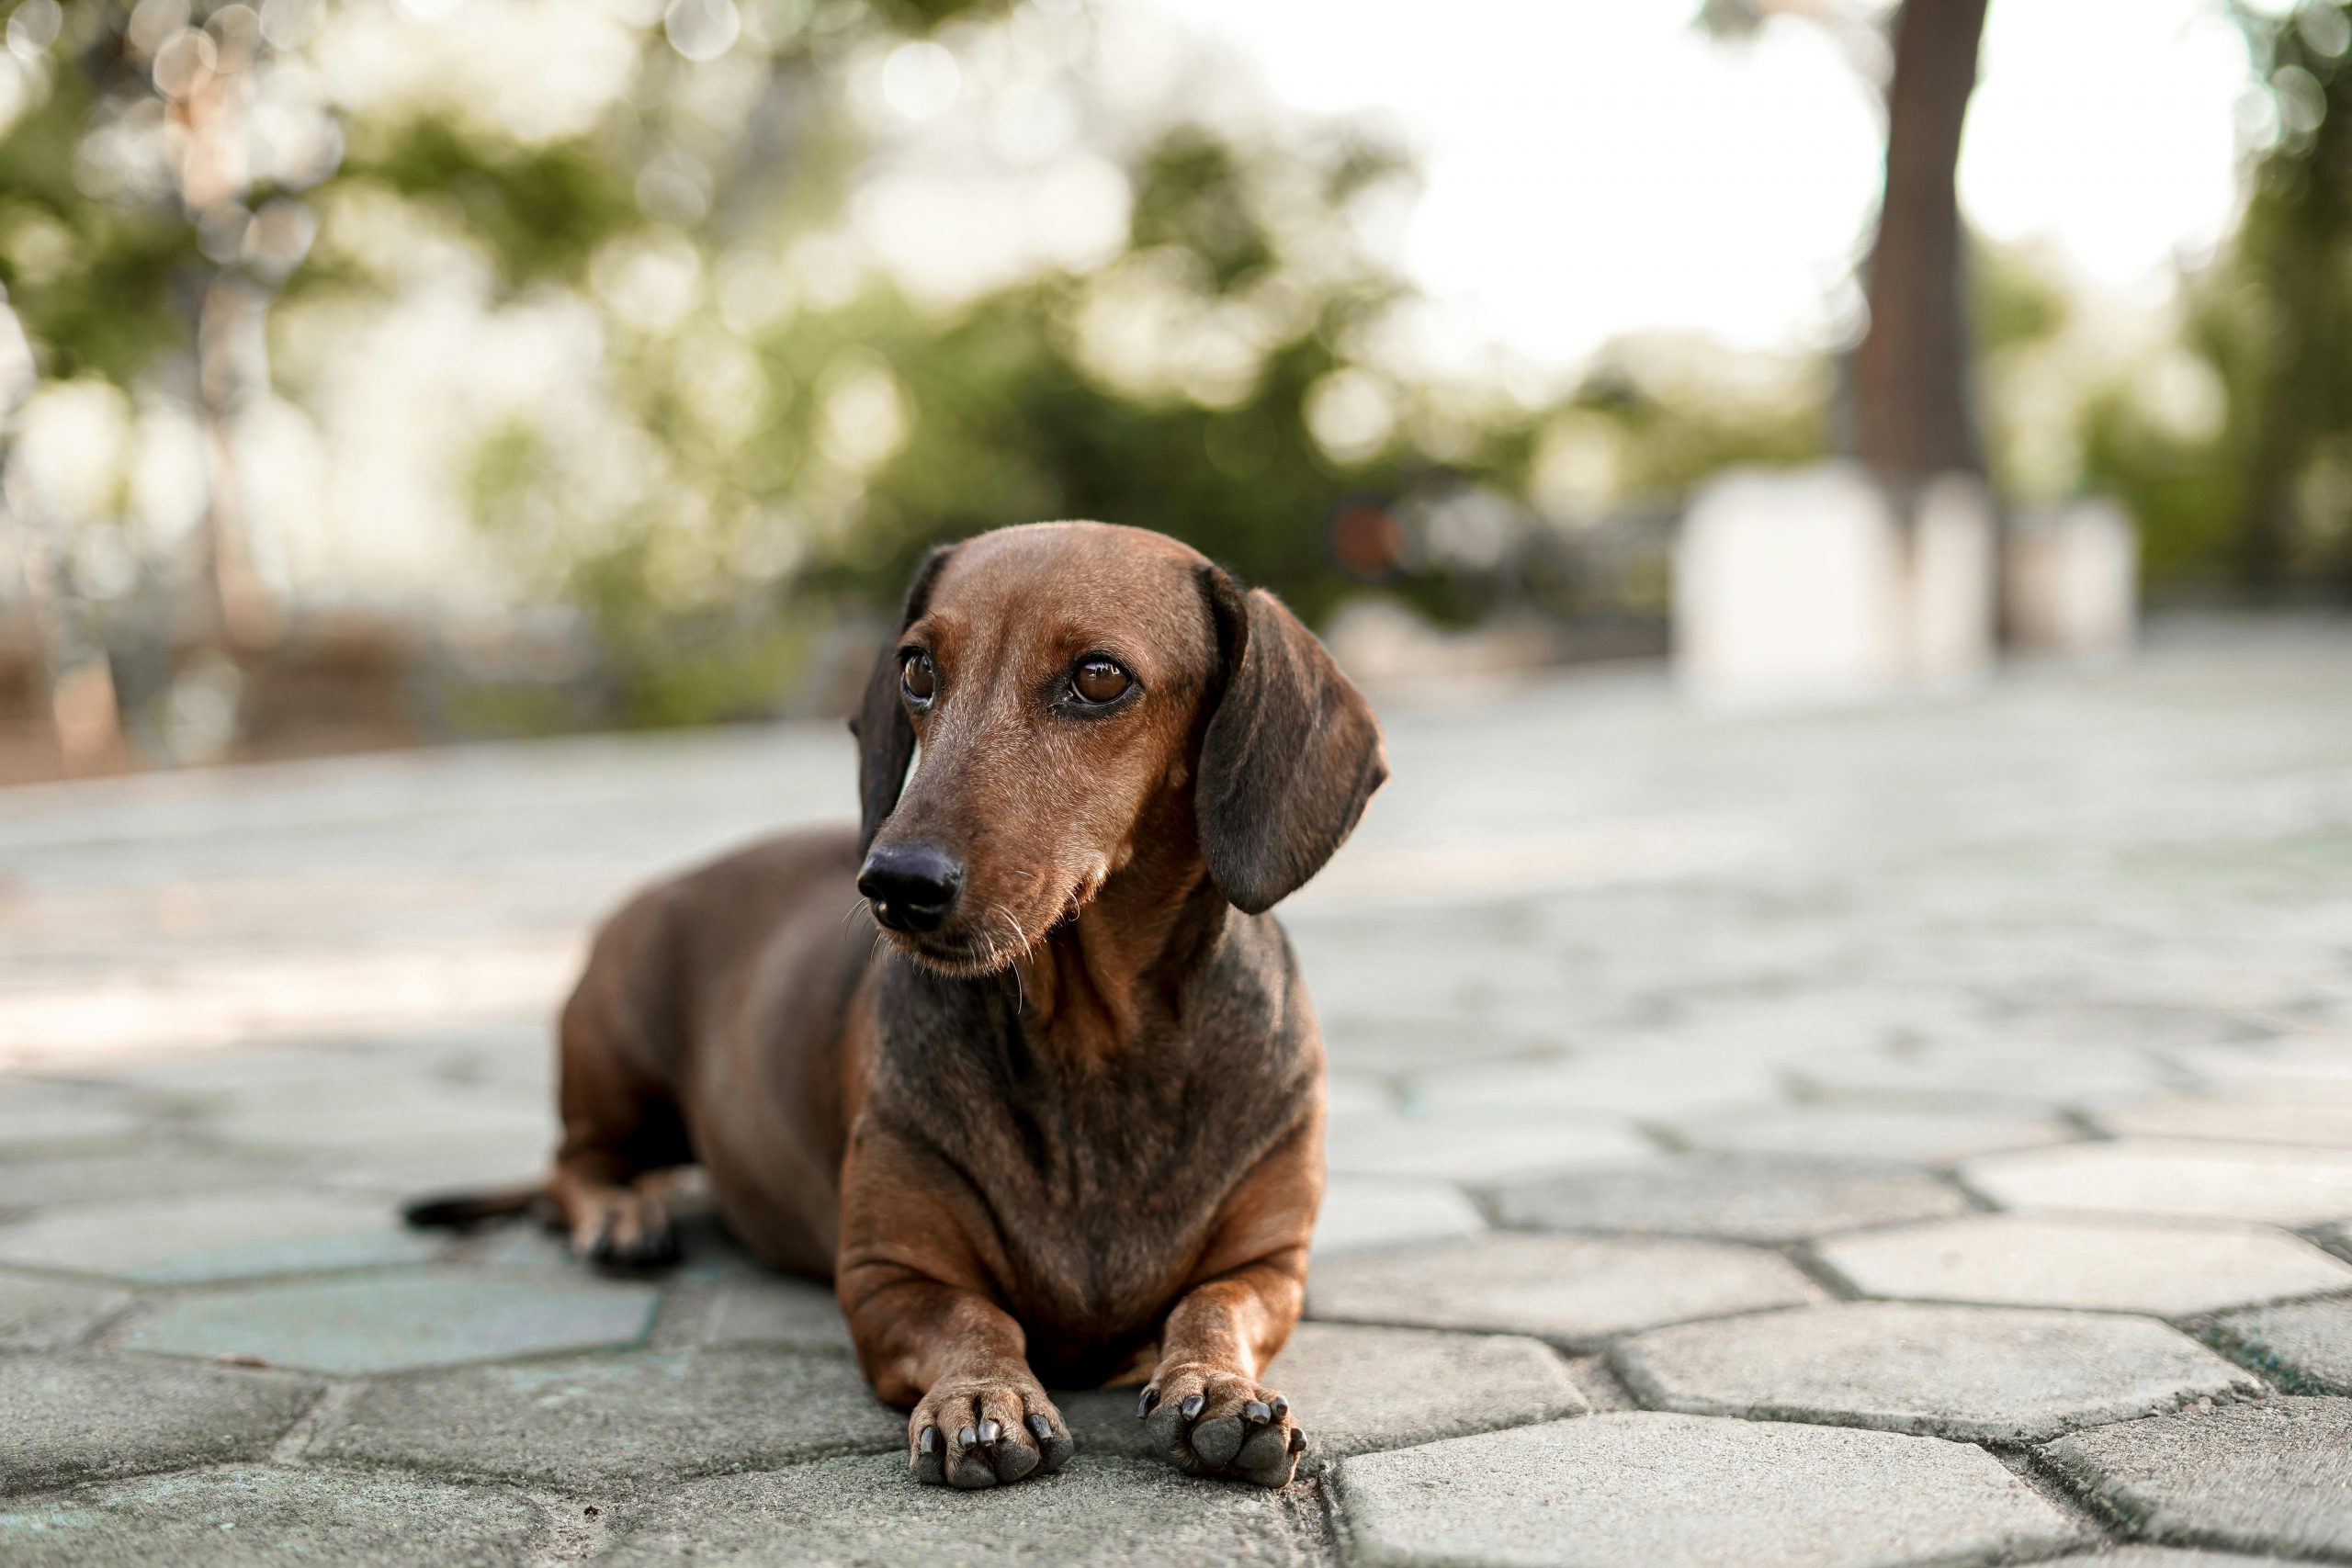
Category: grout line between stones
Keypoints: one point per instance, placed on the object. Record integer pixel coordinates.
(1600, 1383)
(578, 1528)
(295, 1441)
(2095, 1528)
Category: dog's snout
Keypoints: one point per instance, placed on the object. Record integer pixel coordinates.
(911, 886)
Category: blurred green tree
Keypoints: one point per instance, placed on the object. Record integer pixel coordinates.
(214, 210)
(2257, 494)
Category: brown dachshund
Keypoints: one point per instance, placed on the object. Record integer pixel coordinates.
(1065, 1123)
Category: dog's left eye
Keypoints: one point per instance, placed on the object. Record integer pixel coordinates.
(1099, 681)
(918, 676)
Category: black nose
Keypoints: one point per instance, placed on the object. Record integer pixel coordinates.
(911, 886)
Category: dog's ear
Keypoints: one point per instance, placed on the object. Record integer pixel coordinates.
(1291, 753)
(886, 736)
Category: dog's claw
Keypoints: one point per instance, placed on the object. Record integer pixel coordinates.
(931, 1457)
(976, 1432)
(1297, 1441)
(1147, 1402)
(1217, 1423)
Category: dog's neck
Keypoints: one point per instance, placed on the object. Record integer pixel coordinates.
(1087, 988)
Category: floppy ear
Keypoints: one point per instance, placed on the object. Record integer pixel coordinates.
(886, 736)
(1291, 754)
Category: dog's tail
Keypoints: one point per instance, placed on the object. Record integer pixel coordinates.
(461, 1211)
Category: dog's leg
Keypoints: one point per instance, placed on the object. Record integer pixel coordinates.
(1204, 1405)
(916, 1252)
(628, 1224)
(623, 1141)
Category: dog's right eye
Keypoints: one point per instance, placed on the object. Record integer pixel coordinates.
(916, 675)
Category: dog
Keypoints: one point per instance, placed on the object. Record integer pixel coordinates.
(1062, 1122)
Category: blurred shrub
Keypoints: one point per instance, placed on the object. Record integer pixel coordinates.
(446, 315)
(2234, 446)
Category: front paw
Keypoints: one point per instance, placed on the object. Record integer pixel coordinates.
(1214, 1423)
(979, 1431)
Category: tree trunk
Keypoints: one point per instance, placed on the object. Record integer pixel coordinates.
(1911, 386)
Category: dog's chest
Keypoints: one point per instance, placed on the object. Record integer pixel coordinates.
(1122, 1182)
(1102, 1177)
(1104, 1187)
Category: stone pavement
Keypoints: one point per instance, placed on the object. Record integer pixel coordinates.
(1907, 1137)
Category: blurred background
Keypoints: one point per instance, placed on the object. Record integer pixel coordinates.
(381, 371)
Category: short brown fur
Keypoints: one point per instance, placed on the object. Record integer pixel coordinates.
(1074, 1134)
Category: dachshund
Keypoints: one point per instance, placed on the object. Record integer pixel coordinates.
(1060, 1122)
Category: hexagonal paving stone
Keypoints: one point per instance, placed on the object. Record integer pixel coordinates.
(2271, 1477)
(1364, 1214)
(708, 1253)
(214, 1077)
(2306, 1345)
(410, 1168)
(2295, 1064)
(1355, 1388)
(1641, 1081)
(1687, 1492)
(1399, 1043)
(73, 1416)
(1098, 1513)
(376, 1324)
(1478, 1146)
(45, 1314)
(156, 1165)
(1980, 1373)
(1357, 1094)
(2236, 1118)
(2053, 1260)
(219, 1236)
(618, 1421)
(2164, 1557)
(2079, 1073)
(2154, 1175)
(1739, 1199)
(339, 1116)
(2151, 1012)
(258, 1516)
(1905, 1134)
(1570, 1291)
(35, 1116)
(777, 1311)
(517, 1056)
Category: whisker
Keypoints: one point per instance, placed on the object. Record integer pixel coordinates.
(1019, 948)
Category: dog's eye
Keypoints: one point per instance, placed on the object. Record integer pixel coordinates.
(1099, 681)
(916, 675)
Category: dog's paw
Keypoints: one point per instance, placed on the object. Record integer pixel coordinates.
(971, 1432)
(623, 1227)
(1212, 1423)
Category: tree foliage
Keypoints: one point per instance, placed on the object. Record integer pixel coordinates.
(2257, 494)
(715, 481)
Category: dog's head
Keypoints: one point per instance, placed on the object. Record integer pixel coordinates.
(1085, 698)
